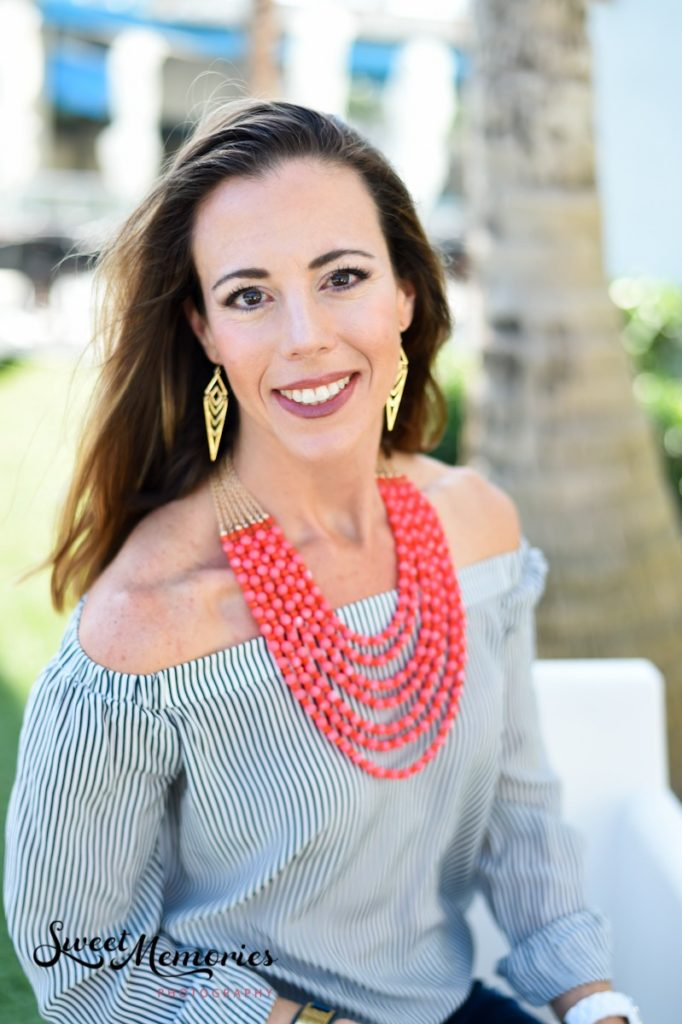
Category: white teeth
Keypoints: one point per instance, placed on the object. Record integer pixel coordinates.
(314, 396)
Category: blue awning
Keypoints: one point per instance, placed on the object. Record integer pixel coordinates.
(106, 20)
(76, 74)
(76, 79)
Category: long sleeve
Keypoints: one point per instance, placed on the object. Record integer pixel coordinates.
(530, 864)
(82, 847)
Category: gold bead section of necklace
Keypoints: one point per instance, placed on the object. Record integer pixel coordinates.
(236, 508)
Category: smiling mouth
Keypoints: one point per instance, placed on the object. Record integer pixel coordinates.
(316, 396)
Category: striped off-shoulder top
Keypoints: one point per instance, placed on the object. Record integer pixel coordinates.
(196, 820)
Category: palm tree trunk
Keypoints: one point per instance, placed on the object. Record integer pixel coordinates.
(263, 72)
(555, 421)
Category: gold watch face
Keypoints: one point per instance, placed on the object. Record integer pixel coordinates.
(313, 1014)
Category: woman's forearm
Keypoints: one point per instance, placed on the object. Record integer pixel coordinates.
(283, 1011)
(562, 1004)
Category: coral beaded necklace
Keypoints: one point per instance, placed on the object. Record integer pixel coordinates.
(320, 657)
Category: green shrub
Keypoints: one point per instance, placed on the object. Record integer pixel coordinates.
(652, 336)
(454, 371)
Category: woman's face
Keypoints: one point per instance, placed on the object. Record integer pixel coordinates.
(307, 330)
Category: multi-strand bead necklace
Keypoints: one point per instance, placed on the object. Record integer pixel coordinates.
(321, 658)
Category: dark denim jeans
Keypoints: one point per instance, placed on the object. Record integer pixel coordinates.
(487, 1006)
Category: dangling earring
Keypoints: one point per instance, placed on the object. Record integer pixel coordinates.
(216, 398)
(393, 401)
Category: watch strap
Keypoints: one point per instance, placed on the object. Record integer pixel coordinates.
(314, 1013)
(595, 1007)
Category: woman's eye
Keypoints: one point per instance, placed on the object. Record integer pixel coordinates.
(344, 272)
(342, 278)
(230, 300)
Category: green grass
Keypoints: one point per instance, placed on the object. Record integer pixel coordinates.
(40, 407)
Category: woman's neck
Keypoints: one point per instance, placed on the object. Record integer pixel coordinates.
(334, 500)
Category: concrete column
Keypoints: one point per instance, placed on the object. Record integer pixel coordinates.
(130, 149)
(320, 35)
(420, 101)
(21, 81)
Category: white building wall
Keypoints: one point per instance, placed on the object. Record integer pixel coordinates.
(638, 91)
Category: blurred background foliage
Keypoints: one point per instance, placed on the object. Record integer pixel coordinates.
(652, 336)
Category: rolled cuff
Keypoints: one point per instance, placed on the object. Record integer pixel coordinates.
(571, 951)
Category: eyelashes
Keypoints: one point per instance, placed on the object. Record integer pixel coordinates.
(360, 274)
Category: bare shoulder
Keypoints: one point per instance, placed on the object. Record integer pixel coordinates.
(479, 517)
(491, 514)
(159, 602)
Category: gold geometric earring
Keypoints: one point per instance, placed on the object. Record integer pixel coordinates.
(396, 393)
(216, 399)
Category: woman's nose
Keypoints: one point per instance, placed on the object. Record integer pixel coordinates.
(306, 329)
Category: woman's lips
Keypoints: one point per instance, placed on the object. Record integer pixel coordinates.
(309, 412)
(316, 382)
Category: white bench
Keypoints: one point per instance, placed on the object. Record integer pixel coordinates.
(603, 721)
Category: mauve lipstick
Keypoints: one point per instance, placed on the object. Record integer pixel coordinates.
(310, 412)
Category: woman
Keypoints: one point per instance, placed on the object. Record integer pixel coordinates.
(216, 763)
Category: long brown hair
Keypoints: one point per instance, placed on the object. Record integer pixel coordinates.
(143, 443)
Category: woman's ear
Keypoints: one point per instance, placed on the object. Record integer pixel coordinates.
(200, 328)
(407, 294)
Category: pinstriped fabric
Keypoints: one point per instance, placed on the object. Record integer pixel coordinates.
(201, 804)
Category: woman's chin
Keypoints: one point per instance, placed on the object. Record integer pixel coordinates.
(330, 446)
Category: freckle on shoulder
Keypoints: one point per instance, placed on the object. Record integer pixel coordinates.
(115, 625)
(141, 605)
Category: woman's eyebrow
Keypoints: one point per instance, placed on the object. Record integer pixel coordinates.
(315, 264)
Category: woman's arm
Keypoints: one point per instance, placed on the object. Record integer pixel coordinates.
(94, 769)
(530, 866)
(563, 1003)
(283, 1011)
